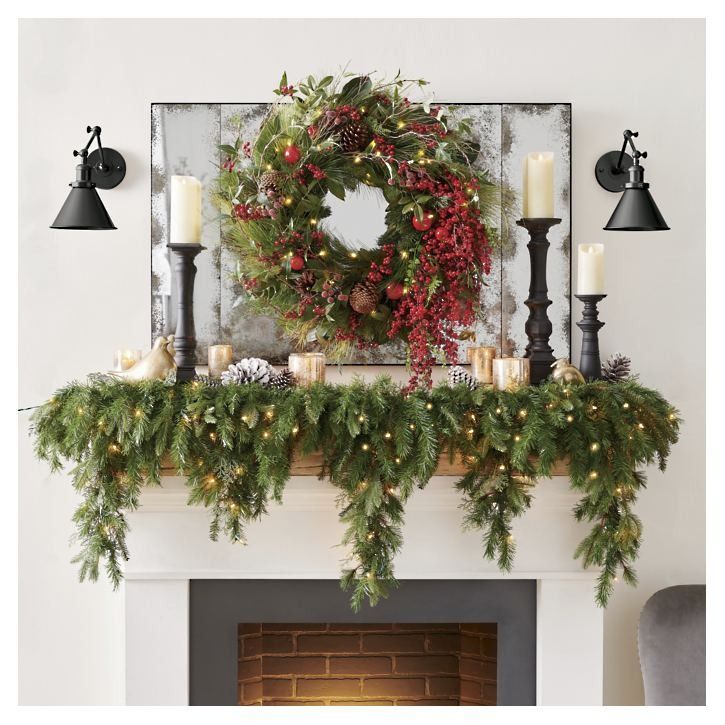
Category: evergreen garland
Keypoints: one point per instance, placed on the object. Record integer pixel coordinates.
(234, 445)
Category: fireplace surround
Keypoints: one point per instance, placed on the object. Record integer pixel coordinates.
(430, 641)
(288, 572)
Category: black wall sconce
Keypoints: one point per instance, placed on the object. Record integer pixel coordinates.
(618, 171)
(102, 168)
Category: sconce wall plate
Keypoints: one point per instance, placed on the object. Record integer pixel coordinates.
(608, 174)
(107, 172)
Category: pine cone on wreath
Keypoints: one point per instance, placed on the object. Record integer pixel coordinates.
(354, 136)
(271, 182)
(248, 370)
(305, 281)
(616, 368)
(282, 380)
(364, 298)
(460, 376)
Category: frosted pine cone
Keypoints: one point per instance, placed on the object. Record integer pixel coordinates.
(460, 376)
(248, 370)
(616, 368)
(282, 380)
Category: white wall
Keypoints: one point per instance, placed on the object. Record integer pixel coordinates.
(84, 294)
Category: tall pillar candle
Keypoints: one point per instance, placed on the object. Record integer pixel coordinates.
(185, 213)
(538, 185)
(590, 269)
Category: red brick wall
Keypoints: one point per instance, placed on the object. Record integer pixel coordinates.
(367, 664)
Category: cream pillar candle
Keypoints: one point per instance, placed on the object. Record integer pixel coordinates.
(590, 275)
(538, 185)
(307, 367)
(185, 215)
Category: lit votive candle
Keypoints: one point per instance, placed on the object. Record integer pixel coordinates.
(220, 358)
(481, 359)
(307, 367)
(125, 359)
(510, 373)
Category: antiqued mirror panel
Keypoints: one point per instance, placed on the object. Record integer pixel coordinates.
(185, 140)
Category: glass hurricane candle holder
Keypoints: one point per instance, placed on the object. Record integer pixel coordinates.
(125, 359)
(481, 359)
(220, 358)
(510, 373)
(307, 367)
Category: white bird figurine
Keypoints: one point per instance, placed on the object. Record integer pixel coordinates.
(156, 365)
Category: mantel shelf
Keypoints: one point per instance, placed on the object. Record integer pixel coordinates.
(311, 465)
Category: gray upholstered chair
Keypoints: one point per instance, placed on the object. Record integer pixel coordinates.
(672, 646)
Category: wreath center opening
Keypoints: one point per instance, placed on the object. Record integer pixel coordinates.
(358, 221)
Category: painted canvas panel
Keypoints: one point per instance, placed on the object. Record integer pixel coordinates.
(185, 140)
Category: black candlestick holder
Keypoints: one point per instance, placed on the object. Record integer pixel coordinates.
(538, 326)
(590, 365)
(185, 337)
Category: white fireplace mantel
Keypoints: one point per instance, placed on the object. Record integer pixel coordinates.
(169, 546)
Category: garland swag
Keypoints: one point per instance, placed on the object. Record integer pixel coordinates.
(234, 444)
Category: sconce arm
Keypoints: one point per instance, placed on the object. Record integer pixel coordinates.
(636, 155)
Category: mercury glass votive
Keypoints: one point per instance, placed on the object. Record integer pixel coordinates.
(220, 358)
(125, 359)
(481, 359)
(307, 367)
(510, 373)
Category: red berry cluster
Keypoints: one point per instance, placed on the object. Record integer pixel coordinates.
(247, 149)
(316, 171)
(287, 90)
(379, 272)
(454, 246)
(428, 129)
(229, 164)
(248, 213)
(383, 148)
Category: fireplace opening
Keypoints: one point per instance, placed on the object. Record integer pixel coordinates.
(367, 664)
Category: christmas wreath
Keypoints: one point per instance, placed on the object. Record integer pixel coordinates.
(422, 281)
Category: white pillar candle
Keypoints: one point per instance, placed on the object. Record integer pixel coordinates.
(590, 276)
(538, 185)
(185, 221)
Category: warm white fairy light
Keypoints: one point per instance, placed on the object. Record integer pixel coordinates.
(138, 412)
(498, 411)
(593, 475)
(502, 467)
(365, 446)
(517, 438)
(594, 447)
(626, 406)
(412, 426)
(361, 418)
(387, 435)
(429, 406)
(569, 418)
(265, 434)
(295, 431)
(523, 413)
(397, 460)
(212, 437)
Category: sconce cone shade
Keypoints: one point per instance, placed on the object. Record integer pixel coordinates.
(636, 212)
(83, 209)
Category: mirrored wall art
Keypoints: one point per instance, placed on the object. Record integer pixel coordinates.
(184, 140)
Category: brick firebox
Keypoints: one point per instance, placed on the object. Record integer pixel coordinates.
(367, 664)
